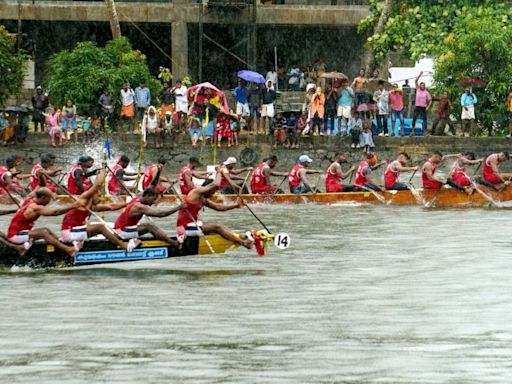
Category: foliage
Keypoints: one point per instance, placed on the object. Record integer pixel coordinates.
(166, 75)
(12, 65)
(82, 73)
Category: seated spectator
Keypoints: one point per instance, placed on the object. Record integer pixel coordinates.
(151, 126)
(291, 131)
(194, 129)
(235, 128)
(366, 137)
(53, 126)
(279, 129)
(356, 128)
(223, 129)
(85, 124)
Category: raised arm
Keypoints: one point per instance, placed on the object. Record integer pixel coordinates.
(417, 81)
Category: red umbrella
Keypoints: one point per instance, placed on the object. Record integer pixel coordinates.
(195, 88)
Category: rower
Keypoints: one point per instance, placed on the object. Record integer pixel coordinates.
(260, 178)
(228, 174)
(491, 175)
(188, 223)
(297, 180)
(127, 225)
(3, 237)
(78, 177)
(458, 177)
(9, 174)
(364, 170)
(118, 175)
(21, 229)
(187, 173)
(76, 230)
(334, 175)
(152, 177)
(428, 177)
(392, 173)
(40, 172)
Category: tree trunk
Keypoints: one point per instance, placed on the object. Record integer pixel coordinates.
(369, 58)
(114, 20)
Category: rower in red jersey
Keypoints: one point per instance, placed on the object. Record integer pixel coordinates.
(39, 176)
(153, 177)
(4, 238)
(297, 179)
(428, 172)
(228, 175)
(334, 175)
(458, 178)
(187, 173)
(118, 175)
(127, 225)
(392, 173)
(491, 175)
(78, 177)
(76, 230)
(188, 223)
(260, 178)
(9, 177)
(21, 229)
(363, 179)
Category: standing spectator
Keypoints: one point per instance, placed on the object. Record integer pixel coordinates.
(366, 137)
(291, 131)
(295, 79)
(422, 104)
(509, 112)
(359, 85)
(331, 102)
(54, 128)
(180, 94)
(320, 69)
(406, 84)
(254, 105)
(127, 106)
(318, 111)
(142, 100)
(268, 96)
(151, 125)
(69, 119)
(345, 103)
(271, 76)
(241, 94)
(468, 101)
(279, 130)
(310, 75)
(106, 107)
(39, 102)
(396, 101)
(443, 116)
(381, 97)
(166, 99)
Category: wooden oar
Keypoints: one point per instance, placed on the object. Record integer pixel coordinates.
(482, 193)
(15, 201)
(239, 195)
(279, 186)
(119, 181)
(379, 197)
(412, 176)
(316, 184)
(245, 181)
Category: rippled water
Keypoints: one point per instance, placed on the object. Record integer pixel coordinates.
(366, 294)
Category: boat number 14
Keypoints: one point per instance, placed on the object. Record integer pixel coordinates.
(282, 240)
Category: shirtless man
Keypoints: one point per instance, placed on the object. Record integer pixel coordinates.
(359, 85)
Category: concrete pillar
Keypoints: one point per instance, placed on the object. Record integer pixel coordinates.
(179, 43)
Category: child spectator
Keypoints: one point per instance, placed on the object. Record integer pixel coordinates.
(87, 132)
(356, 127)
(291, 131)
(223, 128)
(235, 128)
(69, 119)
(279, 128)
(194, 130)
(366, 137)
(53, 125)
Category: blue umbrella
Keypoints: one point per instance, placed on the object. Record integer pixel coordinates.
(251, 76)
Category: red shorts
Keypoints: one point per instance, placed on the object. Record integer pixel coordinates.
(333, 187)
(492, 178)
(461, 179)
(280, 135)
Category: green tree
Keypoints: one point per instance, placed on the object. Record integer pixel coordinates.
(82, 73)
(12, 65)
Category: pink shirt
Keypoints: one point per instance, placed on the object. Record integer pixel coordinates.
(422, 98)
(397, 101)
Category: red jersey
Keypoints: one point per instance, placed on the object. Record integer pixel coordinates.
(185, 189)
(35, 178)
(429, 184)
(14, 180)
(185, 215)
(71, 184)
(75, 217)
(113, 185)
(391, 175)
(19, 222)
(223, 182)
(459, 175)
(147, 179)
(294, 179)
(258, 180)
(363, 170)
(333, 180)
(487, 172)
(125, 220)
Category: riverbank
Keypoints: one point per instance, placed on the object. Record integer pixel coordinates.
(252, 149)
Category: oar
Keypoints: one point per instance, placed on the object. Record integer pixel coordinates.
(379, 197)
(316, 184)
(15, 201)
(482, 193)
(279, 186)
(119, 181)
(250, 210)
(245, 181)
(412, 176)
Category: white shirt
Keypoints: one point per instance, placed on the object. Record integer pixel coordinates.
(272, 76)
(127, 97)
(181, 99)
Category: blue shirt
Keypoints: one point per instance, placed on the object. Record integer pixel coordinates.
(241, 94)
(346, 97)
(466, 100)
(142, 97)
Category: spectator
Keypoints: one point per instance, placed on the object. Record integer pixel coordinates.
(443, 116)
(295, 79)
(406, 84)
(356, 128)
(223, 129)
(127, 106)
(166, 99)
(54, 128)
(4, 123)
(279, 129)
(106, 107)
(268, 96)
(211, 112)
(331, 102)
(318, 111)
(241, 94)
(291, 131)
(39, 102)
(235, 128)
(142, 100)
(509, 112)
(396, 101)
(366, 137)
(166, 123)
(69, 119)
(345, 103)
(87, 132)
(422, 104)
(320, 69)
(468, 101)
(359, 85)
(271, 76)
(151, 126)
(194, 130)
(310, 75)
(180, 95)
(381, 97)
(254, 105)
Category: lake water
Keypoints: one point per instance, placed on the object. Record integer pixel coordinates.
(365, 294)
